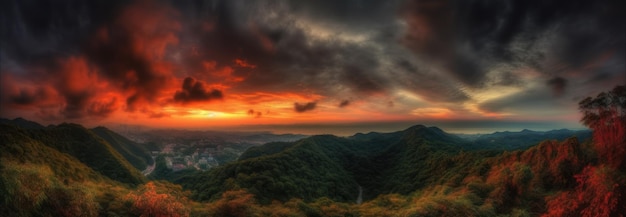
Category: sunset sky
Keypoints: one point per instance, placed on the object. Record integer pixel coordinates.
(309, 66)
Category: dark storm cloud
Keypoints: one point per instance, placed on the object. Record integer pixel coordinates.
(28, 97)
(344, 103)
(102, 109)
(362, 81)
(42, 34)
(282, 47)
(195, 91)
(458, 33)
(558, 85)
(441, 51)
(304, 107)
(256, 114)
(75, 104)
(35, 31)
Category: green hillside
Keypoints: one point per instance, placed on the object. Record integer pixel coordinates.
(334, 167)
(19, 147)
(135, 153)
(312, 168)
(38, 180)
(85, 146)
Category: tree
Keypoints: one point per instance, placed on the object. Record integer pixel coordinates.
(606, 116)
(600, 190)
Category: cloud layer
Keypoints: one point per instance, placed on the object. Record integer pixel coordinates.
(471, 59)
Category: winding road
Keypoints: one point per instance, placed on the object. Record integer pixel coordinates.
(359, 199)
(150, 168)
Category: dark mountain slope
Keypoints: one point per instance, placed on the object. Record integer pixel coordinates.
(22, 123)
(264, 150)
(135, 153)
(88, 148)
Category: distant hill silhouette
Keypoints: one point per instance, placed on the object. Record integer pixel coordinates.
(523, 139)
(22, 123)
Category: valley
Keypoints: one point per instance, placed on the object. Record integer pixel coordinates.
(364, 175)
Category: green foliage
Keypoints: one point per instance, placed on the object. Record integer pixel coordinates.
(313, 168)
(34, 190)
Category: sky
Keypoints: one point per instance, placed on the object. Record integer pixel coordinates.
(318, 66)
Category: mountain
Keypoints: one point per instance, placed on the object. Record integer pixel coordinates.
(418, 159)
(267, 149)
(330, 166)
(81, 144)
(18, 146)
(523, 139)
(311, 168)
(37, 179)
(22, 123)
(135, 153)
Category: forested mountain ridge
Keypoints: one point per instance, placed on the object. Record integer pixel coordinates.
(335, 167)
(311, 168)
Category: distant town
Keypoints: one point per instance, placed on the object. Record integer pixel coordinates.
(200, 150)
(202, 158)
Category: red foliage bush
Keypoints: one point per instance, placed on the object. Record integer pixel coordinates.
(149, 203)
(596, 195)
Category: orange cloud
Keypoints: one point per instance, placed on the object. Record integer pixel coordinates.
(437, 113)
(244, 64)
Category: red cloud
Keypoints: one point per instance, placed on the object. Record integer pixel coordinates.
(130, 52)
